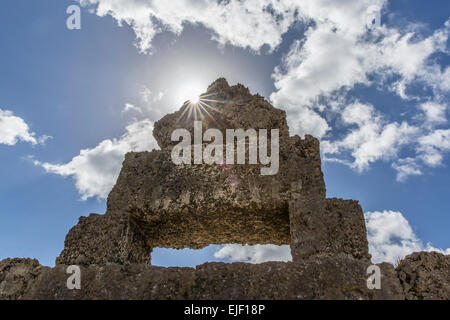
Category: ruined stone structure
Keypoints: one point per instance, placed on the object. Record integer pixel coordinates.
(156, 203)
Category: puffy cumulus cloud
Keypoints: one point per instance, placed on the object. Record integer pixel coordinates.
(95, 170)
(330, 58)
(372, 138)
(14, 129)
(406, 167)
(430, 147)
(433, 145)
(339, 51)
(434, 113)
(391, 237)
(305, 120)
(254, 254)
(389, 234)
(409, 58)
(248, 24)
(314, 80)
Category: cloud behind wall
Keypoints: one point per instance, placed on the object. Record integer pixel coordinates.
(255, 253)
(315, 82)
(95, 170)
(315, 79)
(389, 234)
(391, 237)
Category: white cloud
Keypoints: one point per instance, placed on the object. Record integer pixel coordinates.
(247, 24)
(305, 120)
(254, 254)
(95, 170)
(331, 57)
(405, 168)
(372, 139)
(391, 237)
(14, 129)
(435, 113)
(432, 146)
(131, 107)
(337, 53)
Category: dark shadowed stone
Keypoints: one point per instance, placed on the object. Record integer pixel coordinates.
(99, 239)
(228, 107)
(425, 276)
(316, 278)
(327, 227)
(17, 277)
(192, 206)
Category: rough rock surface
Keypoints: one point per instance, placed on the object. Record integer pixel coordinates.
(317, 278)
(425, 275)
(193, 206)
(18, 277)
(99, 239)
(156, 203)
(327, 226)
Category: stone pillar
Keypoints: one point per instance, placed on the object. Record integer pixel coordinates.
(101, 239)
(330, 227)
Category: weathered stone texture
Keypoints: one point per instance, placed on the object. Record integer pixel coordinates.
(317, 278)
(422, 275)
(327, 227)
(99, 239)
(230, 107)
(193, 206)
(425, 275)
(156, 203)
(18, 277)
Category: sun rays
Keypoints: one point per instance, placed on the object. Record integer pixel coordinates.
(200, 108)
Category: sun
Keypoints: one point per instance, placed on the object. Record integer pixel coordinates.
(198, 105)
(194, 99)
(190, 91)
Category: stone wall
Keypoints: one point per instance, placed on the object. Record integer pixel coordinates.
(327, 227)
(156, 203)
(317, 278)
(101, 239)
(192, 206)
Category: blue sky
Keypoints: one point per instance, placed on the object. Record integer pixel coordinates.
(377, 98)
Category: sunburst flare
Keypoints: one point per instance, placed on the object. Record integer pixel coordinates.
(199, 107)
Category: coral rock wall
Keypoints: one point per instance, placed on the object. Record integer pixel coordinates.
(156, 203)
